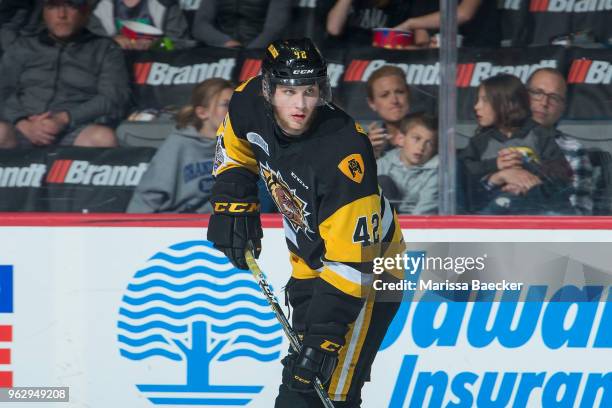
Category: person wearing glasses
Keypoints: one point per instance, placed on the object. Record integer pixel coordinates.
(547, 91)
(512, 165)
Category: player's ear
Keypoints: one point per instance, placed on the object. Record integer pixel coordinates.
(202, 113)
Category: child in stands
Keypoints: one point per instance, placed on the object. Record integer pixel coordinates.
(408, 174)
(512, 165)
(179, 177)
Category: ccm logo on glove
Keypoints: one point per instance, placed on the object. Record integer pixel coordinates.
(236, 207)
(300, 379)
(330, 346)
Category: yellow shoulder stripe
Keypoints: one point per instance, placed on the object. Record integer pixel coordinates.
(241, 87)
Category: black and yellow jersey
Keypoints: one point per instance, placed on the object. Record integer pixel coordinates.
(323, 182)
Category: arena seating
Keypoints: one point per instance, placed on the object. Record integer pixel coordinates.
(162, 81)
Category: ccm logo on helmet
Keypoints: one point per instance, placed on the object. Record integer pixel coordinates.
(302, 71)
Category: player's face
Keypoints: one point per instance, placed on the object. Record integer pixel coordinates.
(485, 115)
(390, 98)
(294, 107)
(547, 98)
(418, 145)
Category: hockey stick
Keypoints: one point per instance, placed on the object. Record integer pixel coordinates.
(293, 338)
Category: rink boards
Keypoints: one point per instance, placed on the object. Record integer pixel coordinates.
(145, 313)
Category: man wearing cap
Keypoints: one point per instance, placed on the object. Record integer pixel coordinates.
(64, 85)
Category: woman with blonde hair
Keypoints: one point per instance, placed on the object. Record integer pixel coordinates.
(389, 97)
(179, 176)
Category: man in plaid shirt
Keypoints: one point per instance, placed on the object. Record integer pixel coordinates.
(547, 90)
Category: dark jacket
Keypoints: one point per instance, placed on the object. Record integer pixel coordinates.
(87, 77)
(545, 160)
(255, 23)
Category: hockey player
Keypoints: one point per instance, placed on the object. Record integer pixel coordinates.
(318, 166)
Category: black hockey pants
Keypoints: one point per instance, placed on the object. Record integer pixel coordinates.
(356, 357)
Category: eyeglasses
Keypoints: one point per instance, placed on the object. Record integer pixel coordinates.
(553, 98)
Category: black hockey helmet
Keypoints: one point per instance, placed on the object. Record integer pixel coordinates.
(294, 62)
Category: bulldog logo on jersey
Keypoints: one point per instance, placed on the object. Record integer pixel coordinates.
(352, 167)
(289, 204)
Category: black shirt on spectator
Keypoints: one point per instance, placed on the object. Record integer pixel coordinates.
(483, 30)
(364, 17)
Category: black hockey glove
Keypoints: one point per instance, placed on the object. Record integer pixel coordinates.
(319, 356)
(310, 363)
(235, 223)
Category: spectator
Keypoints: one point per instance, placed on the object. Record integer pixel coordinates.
(352, 21)
(179, 177)
(512, 165)
(109, 16)
(389, 97)
(547, 91)
(413, 167)
(241, 23)
(78, 83)
(478, 20)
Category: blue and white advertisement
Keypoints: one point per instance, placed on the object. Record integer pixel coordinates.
(153, 316)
